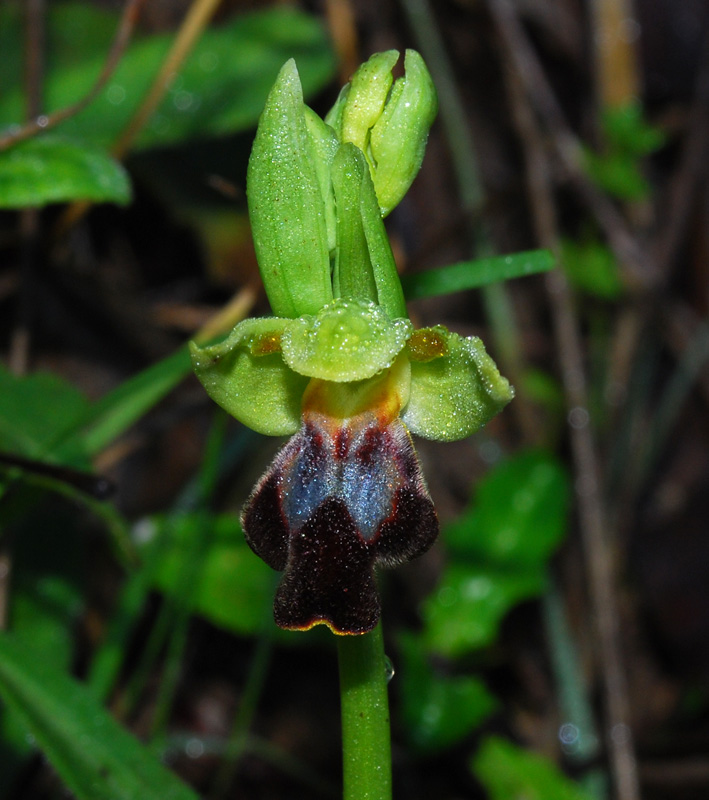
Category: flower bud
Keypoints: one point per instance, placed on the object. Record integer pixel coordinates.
(388, 123)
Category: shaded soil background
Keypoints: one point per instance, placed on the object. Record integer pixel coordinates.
(126, 287)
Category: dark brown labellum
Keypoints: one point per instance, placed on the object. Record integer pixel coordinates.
(341, 497)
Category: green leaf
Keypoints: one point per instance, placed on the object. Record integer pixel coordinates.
(545, 390)
(518, 515)
(455, 392)
(44, 609)
(628, 131)
(507, 771)
(53, 169)
(26, 426)
(220, 89)
(93, 754)
(465, 611)
(286, 205)
(438, 711)
(75, 429)
(246, 375)
(592, 267)
(477, 273)
(617, 173)
(235, 589)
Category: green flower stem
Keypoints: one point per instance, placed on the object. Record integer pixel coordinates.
(366, 746)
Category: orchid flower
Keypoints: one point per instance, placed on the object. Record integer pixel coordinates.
(339, 366)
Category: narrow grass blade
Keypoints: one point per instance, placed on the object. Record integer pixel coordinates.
(95, 757)
(474, 274)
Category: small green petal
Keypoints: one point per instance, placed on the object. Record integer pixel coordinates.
(347, 340)
(456, 393)
(246, 375)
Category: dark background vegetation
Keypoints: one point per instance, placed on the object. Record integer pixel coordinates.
(126, 286)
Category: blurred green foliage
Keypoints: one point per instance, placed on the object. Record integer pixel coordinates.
(498, 550)
(509, 772)
(220, 90)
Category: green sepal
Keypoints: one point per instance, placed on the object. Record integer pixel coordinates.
(286, 204)
(398, 139)
(353, 277)
(455, 393)
(324, 143)
(246, 375)
(364, 265)
(390, 294)
(367, 96)
(347, 340)
(333, 118)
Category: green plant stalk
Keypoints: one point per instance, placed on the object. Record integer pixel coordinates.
(366, 745)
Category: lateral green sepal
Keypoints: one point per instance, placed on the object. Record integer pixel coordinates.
(454, 394)
(246, 375)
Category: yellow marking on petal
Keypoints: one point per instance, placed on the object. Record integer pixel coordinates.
(265, 344)
(384, 395)
(426, 344)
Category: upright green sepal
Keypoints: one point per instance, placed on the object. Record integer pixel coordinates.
(246, 375)
(286, 204)
(456, 387)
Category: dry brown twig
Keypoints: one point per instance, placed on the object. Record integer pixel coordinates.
(43, 122)
(637, 269)
(592, 514)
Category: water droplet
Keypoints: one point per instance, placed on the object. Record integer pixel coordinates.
(183, 100)
(620, 733)
(578, 417)
(160, 124)
(194, 748)
(447, 596)
(569, 737)
(43, 120)
(629, 30)
(490, 451)
(209, 61)
(389, 670)
(116, 94)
